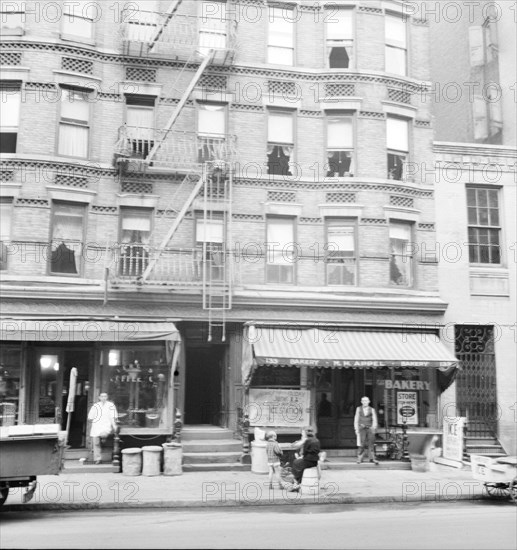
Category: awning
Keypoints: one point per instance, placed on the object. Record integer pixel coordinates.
(349, 349)
(72, 330)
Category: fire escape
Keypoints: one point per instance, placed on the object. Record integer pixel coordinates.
(202, 162)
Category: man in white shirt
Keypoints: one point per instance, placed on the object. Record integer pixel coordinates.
(103, 416)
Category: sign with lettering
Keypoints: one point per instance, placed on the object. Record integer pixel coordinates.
(453, 437)
(340, 363)
(279, 408)
(407, 407)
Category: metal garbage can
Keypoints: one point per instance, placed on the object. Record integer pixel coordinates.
(132, 461)
(152, 460)
(172, 459)
(259, 457)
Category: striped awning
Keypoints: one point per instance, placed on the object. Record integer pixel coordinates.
(314, 347)
(73, 330)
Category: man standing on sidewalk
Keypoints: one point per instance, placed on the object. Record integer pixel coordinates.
(365, 425)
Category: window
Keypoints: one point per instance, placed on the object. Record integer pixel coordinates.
(280, 49)
(212, 27)
(401, 254)
(74, 126)
(280, 250)
(340, 145)
(141, 22)
(78, 19)
(140, 124)
(397, 142)
(341, 258)
(210, 245)
(67, 239)
(396, 44)
(9, 116)
(211, 128)
(340, 38)
(6, 211)
(134, 251)
(12, 18)
(484, 225)
(280, 144)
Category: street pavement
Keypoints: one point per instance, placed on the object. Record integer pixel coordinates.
(226, 488)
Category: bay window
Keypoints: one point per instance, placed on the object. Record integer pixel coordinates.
(135, 231)
(280, 143)
(341, 256)
(339, 26)
(484, 225)
(397, 142)
(74, 124)
(340, 145)
(67, 238)
(396, 44)
(280, 250)
(280, 49)
(401, 254)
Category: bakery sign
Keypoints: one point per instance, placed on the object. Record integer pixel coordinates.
(278, 408)
(407, 407)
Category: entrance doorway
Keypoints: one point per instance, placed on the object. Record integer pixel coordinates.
(203, 391)
(50, 394)
(336, 399)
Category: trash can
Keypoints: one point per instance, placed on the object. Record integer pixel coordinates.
(172, 459)
(152, 460)
(132, 461)
(259, 457)
(419, 463)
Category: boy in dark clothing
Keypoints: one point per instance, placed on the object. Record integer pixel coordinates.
(310, 455)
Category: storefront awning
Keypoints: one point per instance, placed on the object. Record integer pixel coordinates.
(348, 349)
(72, 330)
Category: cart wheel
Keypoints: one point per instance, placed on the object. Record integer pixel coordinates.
(513, 490)
(497, 490)
(4, 492)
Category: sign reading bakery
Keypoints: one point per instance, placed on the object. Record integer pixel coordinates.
(334, 363)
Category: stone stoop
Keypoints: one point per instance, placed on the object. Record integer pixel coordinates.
(486, 446)
(73, 465)
(210, 448)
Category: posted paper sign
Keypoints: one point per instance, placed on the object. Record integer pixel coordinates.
(279, 408)
(407, 407)
(453, 437)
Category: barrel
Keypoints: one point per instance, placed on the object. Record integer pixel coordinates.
(132, 461)
(152, 460)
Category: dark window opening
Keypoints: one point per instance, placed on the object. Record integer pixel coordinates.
(8, 142)
(396, 166)
(339, 163)
(278, 161)
(339, 58)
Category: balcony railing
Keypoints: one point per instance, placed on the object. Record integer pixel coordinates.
(177, 150)
(181, 36)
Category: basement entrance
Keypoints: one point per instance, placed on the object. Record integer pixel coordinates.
(204, 380)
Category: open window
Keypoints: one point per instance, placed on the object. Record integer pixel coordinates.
(341, 256)
(339, 26)
(401, 254)
(135, 231)
(74, 123)
(10, 99)
(67, 239)
(280, 144)
(211, 131)
(280, 258)
(210, 246)
(397, 141)
(340, 145)
(6, 211)
(140, 124)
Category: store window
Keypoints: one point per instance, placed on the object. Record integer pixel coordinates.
(280, 251)
(341, 256)
(67, 239)
(135, 231)
(78, 19)
(10, 98)
(340, 145)
(401, 254)
(484, 225)
(210, 248)
(340, 38)
(280, 143)
(10, 376)
(280, 49)
(397, 142)
(74, 124)
(396, 44)
(6, 211)
(140, 124)
(212, 26)
(211, 130)
(137, 381)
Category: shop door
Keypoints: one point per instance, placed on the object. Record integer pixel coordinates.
(335, 407)
(203, 385)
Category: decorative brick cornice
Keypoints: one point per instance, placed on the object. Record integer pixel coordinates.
(426, 227)
(370, 9)
(423, 123)
(100, 209)
(373, 221)
(64, 168)
(244, 107)
(420, 22)
(247, 217)
(105, 96)
(310, 113)
(372, 114)
(34, 203)
(311, 220)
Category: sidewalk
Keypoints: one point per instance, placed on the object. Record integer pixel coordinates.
(216, 489)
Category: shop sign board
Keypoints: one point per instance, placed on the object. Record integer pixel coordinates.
(279, 408)
(453, 437)
(407, 407)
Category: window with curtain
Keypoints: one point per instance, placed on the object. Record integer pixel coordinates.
(140, 125)
(78, 19)
(341, 257)
(339, 27)
(396, 44)
(210, 247)
(211, 130)
(135, 231)
(67, 238)
(280, 255)
(212, 26)
(280, 49)
(6, 211)
(401, 254)
(280, 144)
(142, 20)
(484, 225)
(74, 124)
(397, 143)
(10, 99)
(340, 145)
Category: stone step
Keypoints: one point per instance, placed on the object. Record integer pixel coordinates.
(212, 445)
(210, 458)
(76, 467)
(383, 465)
(340, 452)
(76, 453)
(190, 433)
(220, 467)
(481, 441)
(483, 449)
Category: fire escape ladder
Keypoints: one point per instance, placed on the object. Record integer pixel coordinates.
(169, 14)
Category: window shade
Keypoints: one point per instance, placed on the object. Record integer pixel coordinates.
(395, 31)
(211, 119)
(340, 25)
(210, 231)
(340, 133)
(134, 222)
(280, 128)
(9, 107)
(74, 105)
(341, 238)
(5, 221)
(397, 134)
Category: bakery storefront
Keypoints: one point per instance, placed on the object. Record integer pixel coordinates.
(300, 375)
